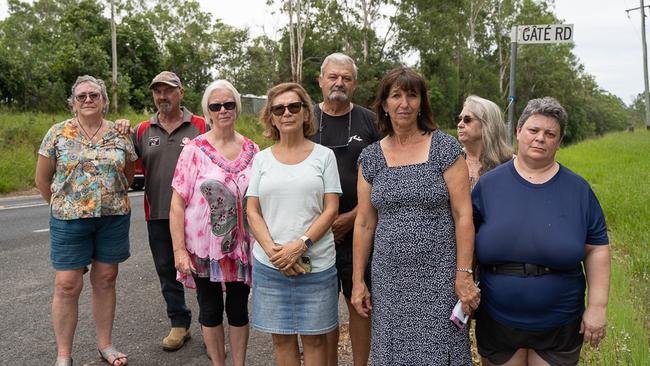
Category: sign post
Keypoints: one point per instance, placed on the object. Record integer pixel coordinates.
(531, 34)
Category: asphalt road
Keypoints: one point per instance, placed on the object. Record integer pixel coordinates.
(26, 282)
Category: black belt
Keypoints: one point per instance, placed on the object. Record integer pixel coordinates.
(522, 269)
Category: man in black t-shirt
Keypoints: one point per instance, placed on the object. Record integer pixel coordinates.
(347, 129)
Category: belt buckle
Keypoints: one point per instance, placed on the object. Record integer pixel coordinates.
(530, 269)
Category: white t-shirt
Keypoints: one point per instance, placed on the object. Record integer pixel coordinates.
(291, 198)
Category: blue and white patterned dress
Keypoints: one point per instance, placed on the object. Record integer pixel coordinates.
(414, 260)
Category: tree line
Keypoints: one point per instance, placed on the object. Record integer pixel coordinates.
(462, 47)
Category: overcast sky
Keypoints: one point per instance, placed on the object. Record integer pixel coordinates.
(607, 42)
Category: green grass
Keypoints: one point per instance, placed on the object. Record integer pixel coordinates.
(21, 135)
(618, 168)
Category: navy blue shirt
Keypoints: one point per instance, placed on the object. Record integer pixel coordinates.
(546, 224)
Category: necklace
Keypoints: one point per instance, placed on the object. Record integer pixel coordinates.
(90, 138)
(320, 131)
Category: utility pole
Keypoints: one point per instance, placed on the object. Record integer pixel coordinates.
(114, 52)
(513, 76)
(645, 64)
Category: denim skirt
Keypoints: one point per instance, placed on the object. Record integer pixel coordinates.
(303, 304)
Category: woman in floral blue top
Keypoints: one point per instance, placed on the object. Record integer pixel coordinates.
(84, 170)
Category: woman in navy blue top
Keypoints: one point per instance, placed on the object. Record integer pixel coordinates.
(538, 224)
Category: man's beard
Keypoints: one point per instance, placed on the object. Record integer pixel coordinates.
(338, 95)
(165, 107)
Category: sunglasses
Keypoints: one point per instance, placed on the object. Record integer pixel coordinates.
(216, 107)
(83, 96)
(465, 119)
(293, 108)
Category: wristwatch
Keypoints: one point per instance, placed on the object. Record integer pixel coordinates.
(308, 242)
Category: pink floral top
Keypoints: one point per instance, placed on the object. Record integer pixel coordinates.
(214, 190)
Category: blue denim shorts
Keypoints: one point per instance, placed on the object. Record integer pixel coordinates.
(75, 243)
(304, 304)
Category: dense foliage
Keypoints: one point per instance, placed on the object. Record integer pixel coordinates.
(462, 47)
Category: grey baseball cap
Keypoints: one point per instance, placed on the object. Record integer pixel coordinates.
(167, 77)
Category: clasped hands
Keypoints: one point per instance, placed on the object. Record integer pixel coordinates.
(285, 257)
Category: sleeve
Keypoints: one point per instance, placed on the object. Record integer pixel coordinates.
(134, 140)
(596, 226)
(131, 155)
(331, 179)
(366, 163)
(186, 172)
(477, 206)
(48, 148)
(448, 150)
(256, 175)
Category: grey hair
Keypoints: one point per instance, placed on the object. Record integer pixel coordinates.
(547, 106)
(219, 84)
(339, 58)
(90, 79)
(495, 149)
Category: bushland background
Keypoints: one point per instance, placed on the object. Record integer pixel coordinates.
(461, 47)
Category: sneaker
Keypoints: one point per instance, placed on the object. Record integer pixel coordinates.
(176, 339)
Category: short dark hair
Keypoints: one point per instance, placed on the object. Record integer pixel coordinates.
(408, 80)
(547, 106)
(270, 131)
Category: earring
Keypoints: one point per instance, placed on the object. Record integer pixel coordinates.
(386, 114)
(419, 113)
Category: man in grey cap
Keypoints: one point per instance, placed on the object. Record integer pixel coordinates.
(158, 142)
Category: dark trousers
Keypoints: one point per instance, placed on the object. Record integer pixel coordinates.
(160, 242)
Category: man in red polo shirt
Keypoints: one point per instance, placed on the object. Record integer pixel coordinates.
(158, 142)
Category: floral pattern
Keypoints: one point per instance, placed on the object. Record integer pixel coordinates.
(89, 179)
(214, 190)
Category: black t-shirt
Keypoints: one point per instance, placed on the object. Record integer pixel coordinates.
(347, 144)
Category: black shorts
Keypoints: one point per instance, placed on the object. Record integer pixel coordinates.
(498, 342)
(344, 268)
(211, 305)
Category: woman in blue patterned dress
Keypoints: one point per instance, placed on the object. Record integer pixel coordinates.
(414, 201)
(84, 171)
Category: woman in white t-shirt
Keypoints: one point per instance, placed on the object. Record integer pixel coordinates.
(293, 198)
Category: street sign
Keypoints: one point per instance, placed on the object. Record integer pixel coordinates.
(545, 33)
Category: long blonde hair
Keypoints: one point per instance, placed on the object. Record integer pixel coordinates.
(495, 149)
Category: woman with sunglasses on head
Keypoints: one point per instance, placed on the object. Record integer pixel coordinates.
(211, 241)
(84, 171)
(293, 199)
(484, 137)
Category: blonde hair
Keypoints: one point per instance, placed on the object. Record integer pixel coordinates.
(308, 127)
(495, 149)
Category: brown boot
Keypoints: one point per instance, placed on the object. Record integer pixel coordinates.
(176, 339)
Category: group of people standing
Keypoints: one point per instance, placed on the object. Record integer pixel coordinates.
(380, 205)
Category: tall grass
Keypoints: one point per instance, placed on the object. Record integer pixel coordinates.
(21, 135)
(618, 168)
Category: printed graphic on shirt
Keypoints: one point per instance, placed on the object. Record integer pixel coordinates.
(224, 216)
(154, 141)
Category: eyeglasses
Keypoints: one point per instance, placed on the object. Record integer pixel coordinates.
(83, 96)
(466, 119)
(216, 107)
(320, 133)
(293, 108)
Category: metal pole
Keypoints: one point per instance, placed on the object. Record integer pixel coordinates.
(114, 51)
(645, 68)
(513, 75)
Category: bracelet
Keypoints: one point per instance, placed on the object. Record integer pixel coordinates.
(468, 270)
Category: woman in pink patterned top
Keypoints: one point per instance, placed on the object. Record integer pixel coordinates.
(212, 244)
